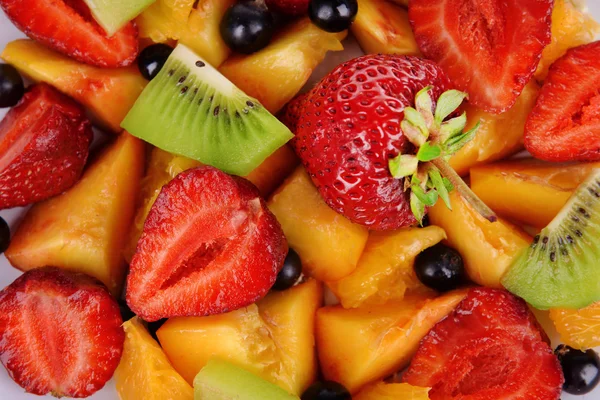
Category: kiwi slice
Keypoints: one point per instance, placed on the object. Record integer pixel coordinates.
(561, 268)
(220, 380)
(112, 15)
(192, 110)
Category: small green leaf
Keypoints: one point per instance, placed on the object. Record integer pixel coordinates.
(428, 152)
(453, 127)
(416, 119)
(429, 198)
(417, 207)
(424, 104)
(447, 184)
(456, 143)
(404, 165)
(448, 102)
(440, 187)
(412, 133)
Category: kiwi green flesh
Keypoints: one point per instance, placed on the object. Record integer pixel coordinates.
(192, 110)
(112, 15)
(220, 380)
(561, 268)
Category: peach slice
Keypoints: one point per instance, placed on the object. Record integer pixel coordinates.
(393, 391)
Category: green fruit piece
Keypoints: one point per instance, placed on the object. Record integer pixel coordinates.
(220, 380)
(560, 268)
(192, 110)
(112, 15)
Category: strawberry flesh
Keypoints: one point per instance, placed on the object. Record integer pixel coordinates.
(489, 49)
(489, 347)
(60, 333)
(44, 144)
(67, 26)
(564, 125)
(209, 245)
(349, 129)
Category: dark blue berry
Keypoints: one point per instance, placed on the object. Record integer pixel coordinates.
(247, 27)
(11, 86)
(333, 15)
(4, 235)
(290, 272)
(327, 390)
(440, 268)
(580, 368)
(152, 58)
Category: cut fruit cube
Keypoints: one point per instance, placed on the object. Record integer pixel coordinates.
(275, 74)
(144, 371)
(273, 339)
(385, 269)
(328, 244)
(84, 229)
(392, 391)
(363, 345)
(528, 190)
(487, 248)
(579, 329)
(112, 15)
(107, 93)
(498, 136)
(382, 27)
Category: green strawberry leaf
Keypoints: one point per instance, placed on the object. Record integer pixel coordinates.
(417, 207)
(448, 102)
(429, 198)
(440, 187)
(453, 127)
(412, 133)
(404, 165)
(424, 104)
(428, 152)
(416, 119)
(456, 143)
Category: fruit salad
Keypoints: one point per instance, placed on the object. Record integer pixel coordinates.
(300, 199)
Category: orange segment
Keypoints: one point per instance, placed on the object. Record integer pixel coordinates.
(392, 391)
(578, 328)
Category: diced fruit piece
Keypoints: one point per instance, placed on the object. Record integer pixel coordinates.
(44, 144)
(328, 244)
(191, 22)
(385, 268)
(247, 27)
(440, 268)
(487, 248)
(580, 368)
(382, 27)
(68, 27)
(289, 7)
(84, 229)
(528, 190)
(274, 339)
(571, 27)
(60, 333)
(333, 15)
(221, 380)
(12, 88)
(190, 109)
(144, 371)
(377, 340)
(272, 172)
(490, 347)
(275, 74)
(392, 391)
(564, 125)
(489, 50)
(498, 136)
(107, 93)
(578, 328)
(559, 269)
(113, 15)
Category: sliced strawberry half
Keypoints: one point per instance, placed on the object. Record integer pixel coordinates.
(564, 125)
(489, 347)
(488, 48)
(209, 245)
(60, 333)
(67, 26)
(44, 144)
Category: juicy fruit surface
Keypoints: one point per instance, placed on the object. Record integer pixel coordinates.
(144, 371)
(328, 244)
(113, 15)
(289, 7)
(350, 128)
(68, 27)
(208, 233)
(488, 49)
(275, 74)
(565, 122)
(392, 391)
(44, 144)
(378, 340)
(579, 329)
(60, 333)
(107, 93)
(84, 229)
(489, 347)
(385, 268)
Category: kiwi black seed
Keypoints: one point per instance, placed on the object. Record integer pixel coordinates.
(561, 268)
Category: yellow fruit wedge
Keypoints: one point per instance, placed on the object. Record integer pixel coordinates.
(107, 93)
(392, 391)
(385, 269)
(85, 228)
(275, 74)
(144, 371)
(328, 244)
(382, 27)
(579, 329)
(362, 345)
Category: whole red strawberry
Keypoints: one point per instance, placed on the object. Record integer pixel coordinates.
(44, 144)
(290, 114)
(289, 7)
(349, 129)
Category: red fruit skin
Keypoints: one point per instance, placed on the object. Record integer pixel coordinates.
(60, 333)
(68, 27)
(350, 128)
(564, 125)
(290, 114)
(209, 245)
(489, 49)
(289, 7)
(489, 347)
(44, 144)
